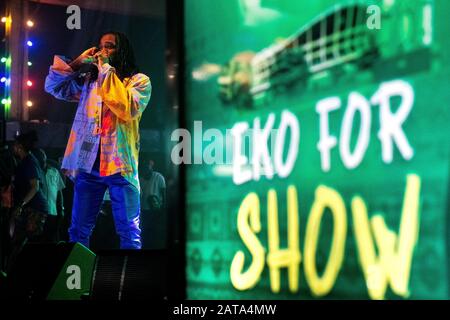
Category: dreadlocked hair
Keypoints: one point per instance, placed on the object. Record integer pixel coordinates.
(123, 59)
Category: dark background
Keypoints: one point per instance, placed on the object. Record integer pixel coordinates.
(50, 36)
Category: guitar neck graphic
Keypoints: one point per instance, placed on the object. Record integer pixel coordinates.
(337, 37)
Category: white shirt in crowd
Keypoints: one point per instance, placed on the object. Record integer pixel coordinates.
(53, 184)
(153, 186)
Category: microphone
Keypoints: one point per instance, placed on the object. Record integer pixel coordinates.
(89, 69)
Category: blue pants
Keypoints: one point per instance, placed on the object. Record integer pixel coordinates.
(90, 189)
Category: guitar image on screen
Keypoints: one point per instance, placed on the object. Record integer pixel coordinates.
(339, 36)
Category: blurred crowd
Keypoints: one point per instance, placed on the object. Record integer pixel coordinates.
(32, 198)
(35, 194)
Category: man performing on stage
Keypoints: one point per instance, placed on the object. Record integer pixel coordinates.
(103, 147)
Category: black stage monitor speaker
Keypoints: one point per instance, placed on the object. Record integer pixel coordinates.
(130, 275)
(50, 271)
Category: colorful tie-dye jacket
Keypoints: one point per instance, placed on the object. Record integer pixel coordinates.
(108, 115)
